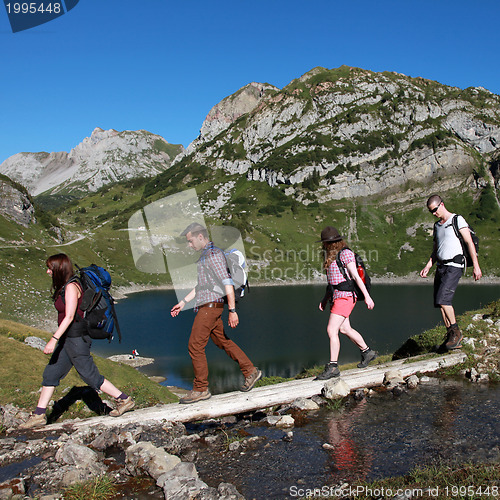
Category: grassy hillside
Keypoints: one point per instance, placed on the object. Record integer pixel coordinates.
(392, 233)
(22, 367)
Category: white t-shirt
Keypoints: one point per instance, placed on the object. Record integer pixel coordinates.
(448, 245)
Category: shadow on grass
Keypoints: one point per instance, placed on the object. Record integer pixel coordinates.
(86, 394)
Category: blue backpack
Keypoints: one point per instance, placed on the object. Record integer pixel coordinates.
(97, 303)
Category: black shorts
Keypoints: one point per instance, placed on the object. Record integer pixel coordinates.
(445, 283)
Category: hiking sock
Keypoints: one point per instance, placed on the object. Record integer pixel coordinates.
(332, 363)
(40, 411)
(365, 350)
(122, 396)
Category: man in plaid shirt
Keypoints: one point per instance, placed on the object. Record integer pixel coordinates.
(214, 283)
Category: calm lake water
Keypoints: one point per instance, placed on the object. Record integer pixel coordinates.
(281, 329)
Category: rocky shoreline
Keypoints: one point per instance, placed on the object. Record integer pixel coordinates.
(121, 292)
(165, 453)
(163, 456)
(44, 463)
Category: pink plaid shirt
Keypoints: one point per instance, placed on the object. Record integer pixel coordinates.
(335, 276)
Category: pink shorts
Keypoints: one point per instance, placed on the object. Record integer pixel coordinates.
(343, 306)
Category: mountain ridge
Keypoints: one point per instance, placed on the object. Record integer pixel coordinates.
(105, 157)
(361, 133)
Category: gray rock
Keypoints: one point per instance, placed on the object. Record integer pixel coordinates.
(185, 470)
(228, 491)
(10, 489)
(15, 204)
(469, 341)
(335, 388)
(235, 445)
(305, 404)
(359, 394)
(272, 419)
(73, 475)
(280, 420)
(143, 457)
(80, 457)
(393, 378)
(412, 382)
(35, 342)
(187, 488)
(11, 416)
(318, 400)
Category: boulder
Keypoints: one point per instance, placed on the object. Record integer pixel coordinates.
(35, 342)
(335, 388)
(79, 456)
(305, 404)
(393, 378)
(412, 382)
(143, 457)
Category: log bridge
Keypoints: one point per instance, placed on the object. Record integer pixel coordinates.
(233, 403)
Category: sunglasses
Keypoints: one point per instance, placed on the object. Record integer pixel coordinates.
(435, 209)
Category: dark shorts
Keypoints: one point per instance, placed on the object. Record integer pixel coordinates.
(445, 283)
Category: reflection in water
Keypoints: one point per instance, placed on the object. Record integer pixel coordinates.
(378, 437)
(447, 413)
(350, 458)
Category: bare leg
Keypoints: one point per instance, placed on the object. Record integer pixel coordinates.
(110, 389)
(334, 323)
(448, 315)
(353, 334)
(45, 396)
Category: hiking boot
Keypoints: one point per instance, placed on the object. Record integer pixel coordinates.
(366, 357)
(34, 421)
(330, 371)
(454, 339)
(195, 396)
(250, 380)
(122, 405)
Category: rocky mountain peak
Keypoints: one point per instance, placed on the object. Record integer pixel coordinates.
(106, 156)
(226, 112)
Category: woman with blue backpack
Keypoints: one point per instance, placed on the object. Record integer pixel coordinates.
(70, 344)
(341, 291)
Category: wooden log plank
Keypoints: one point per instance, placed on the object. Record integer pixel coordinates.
(264, 397)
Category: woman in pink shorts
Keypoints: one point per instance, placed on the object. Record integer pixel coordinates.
(343, 301)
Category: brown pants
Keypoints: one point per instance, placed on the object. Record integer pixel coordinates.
(208, 324)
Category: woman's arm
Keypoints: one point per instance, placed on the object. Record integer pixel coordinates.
(71, 296)
(353, 271)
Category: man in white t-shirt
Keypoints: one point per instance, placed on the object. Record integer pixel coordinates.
(448, 254)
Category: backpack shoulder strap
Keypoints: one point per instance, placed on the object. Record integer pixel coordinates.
(340, 264)
(74, 279)
(454, 223)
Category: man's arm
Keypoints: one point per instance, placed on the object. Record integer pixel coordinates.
(425, 271)
(465, 232)
(233, 319)
(178, 307)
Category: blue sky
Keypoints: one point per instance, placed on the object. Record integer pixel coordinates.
(161, 65)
